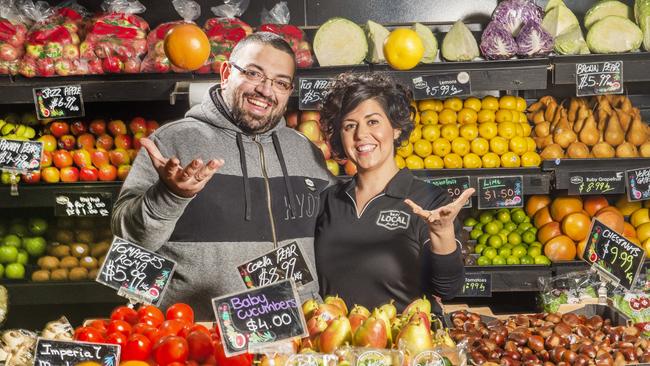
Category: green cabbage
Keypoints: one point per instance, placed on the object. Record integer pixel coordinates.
(553, 3)
(558, 20)
(376, 35)
(642, 15)
(571, 42)
(340, 42)
(614, 34)
(429, 41)
(606, 8)
(459, 44)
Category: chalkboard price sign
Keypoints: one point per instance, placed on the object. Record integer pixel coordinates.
(598, 78)
(617, 258)
(453, 84)
(66, 353)
(59, 102)
(78, 204)
(261, 316)
(20, 156)
(477, 285)
(500, 192)
(638, 184)
(604, 182)
(286, 262)
(455, 186)
(136, 273)
(311, 92)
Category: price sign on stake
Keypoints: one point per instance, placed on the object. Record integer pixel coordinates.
(20, 156)
(58, 102)
(310, 92)
(261, 316)
(477, 285)
(453, 84)
(455, 186)
(606, 182)
(638, 184)
(286, 262)
(136, 273)
(617, 258)
(67, 353)
(500, 192)
(598, 78)
(79, 204)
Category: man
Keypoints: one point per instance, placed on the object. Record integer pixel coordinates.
(227, 183)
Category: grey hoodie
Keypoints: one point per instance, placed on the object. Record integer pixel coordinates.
(268, 188)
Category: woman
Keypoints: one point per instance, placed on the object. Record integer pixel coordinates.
(384, 234)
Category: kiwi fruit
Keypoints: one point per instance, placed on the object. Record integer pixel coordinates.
(64, 236)
(41, 275)
(88, 262)
(48, 262)
(100, 249)
(84, 236)
(92, 274)
(60, 274)
(79, 250)
(69, 262)
(59, 250)
(78, 274)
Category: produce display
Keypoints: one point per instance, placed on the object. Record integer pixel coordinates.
(597, 127)
(13, 32)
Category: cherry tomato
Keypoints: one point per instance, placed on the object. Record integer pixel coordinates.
(171, 349)
(138, 347)
(119, 326)
(117, 338)
(171, 327)
(99, 324)
(196, 327)
(125, 313)
(180, 311)
(88, 334)
(241, 360)
(200, 346)
(152, 313)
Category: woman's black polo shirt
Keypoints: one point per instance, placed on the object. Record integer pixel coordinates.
(385, 253)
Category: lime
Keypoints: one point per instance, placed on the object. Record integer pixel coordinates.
(483, 239)
(510, 226)
(536, 244)
(528, 237)
(504, 236)
(534, 251)
(498, 261)
(527, 260)
(520, 232)
(505, 252)
(483, 261)
(543, 260)
(491, 228)
(499, 224)
(514, 239)
(495, 241)
(518, 216)
(512, 260)
(507, 245)
(479, 248)
(503, 216)
(519, 251)
(525, 226)
(527, 219)
(490, 252)
(474, 234)
(479, 226)
(470, 221)
(485, 217)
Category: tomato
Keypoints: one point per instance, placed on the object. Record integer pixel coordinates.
(141, 328)
(125, 313)
(180, 311)
(151, 313)
(196, 327)
(117, 338)
(150, 321)
(200, 346)
(119, 326)
(88, 334)
(171, 349)
(138, 347)
(99, 324)
(171, 327)
(241, 360)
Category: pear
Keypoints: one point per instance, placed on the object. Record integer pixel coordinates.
(336, 301)
(626, 150)
(624, 118)
(423, 304)
(614, 134)
(415, 337)
(577, 150)
(372, 333)
(589, 134)
(538, 117)
(543, 142)
(308, 308)
(602, 115)
(549, 113)
(552, 152)
(563, 135)
(316, 325)
(381, 314)
(572, 114)
(356, 319)
(603, 150)
(423, 317)
(328, 312)
(543, 129)
(626, 105)
(396, 327)
(637, 134)
(337, 334)
(359, 309)
(577, 125)
(644, 150)
(390, 309)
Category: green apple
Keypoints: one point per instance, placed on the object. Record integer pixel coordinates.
(12, 240)
(18, 228)
(8, 254)
(22, 257)
(15, 271)
(37, 226)
(35, 246)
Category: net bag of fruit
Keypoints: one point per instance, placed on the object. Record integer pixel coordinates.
(635, 304)
(569, 288)
(224, 32)
(13, 31)
(116, 40)
(156, 60)
(277, 21)
(52, 43)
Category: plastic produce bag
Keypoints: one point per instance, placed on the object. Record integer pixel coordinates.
(13, 31)
(277, 21)
(635, 304)
(570, 288)
(116, 40)
(224, 32)
(52, 43)
(156, 60)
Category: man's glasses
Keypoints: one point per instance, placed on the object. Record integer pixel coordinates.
(257, 77)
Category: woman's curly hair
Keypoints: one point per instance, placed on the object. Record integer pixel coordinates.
(351, 89)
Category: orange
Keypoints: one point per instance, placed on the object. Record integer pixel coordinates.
(485, 115)
(449, 131)
(520, 104)
(455, 104)
(186, 46)
(399, 161)
(405, 149)
(565, 205)
(491, 160)
(447, 116)
(473, 103)
(560, 248)
(542, 217)
(535, 203)
(470, 132)
(414, 162)
(576, 226)
(628, 230)
(510, 160)
(403, 49)
(595, 203)
(508, 102)
(430, 132)
(503, 115)
(416, 134)
(499, 145)
(429, 117)
(530, 159)
(460, 146)
(490, 102)
(532, 146)
(433, 162)
(522, 118)
(519, 131)
(422, 148)
(466, 116)
(453, 161)
(626, 207)
(507, 130)
(549, 231)
(472, 161)
(441, 147)
(581, 248)
(480, 146)
(518, 145)
(611, 217)
(488, 130)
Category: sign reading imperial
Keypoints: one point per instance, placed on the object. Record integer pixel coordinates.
(393, 219)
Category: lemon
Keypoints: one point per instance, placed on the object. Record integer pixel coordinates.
(460, 146)
(520, 104)
(415, 117)
(467, 115)
(414, 162)
(441, 147)
(486, 115)
(510, 160)
(429, 117)
(403, 49)
(416, 134)
(530, 142)
(522, 117)
(508, 102)
(525, 127)
(518, 145)
(449, 131)
(469, 132)
(405, 149)
(488, 130)
(447, 116)
(503, 115)
(422, 148)
(490, 102)
(479, 146)
(473, 103)
(472, 161)
(426, 104)
(453, 161)
(491, 160)
(530, 158)
(432, 132)
(433, 162)
(498, 145)
(455, 104)
(400, 162)
(507, 130)
(519, 131)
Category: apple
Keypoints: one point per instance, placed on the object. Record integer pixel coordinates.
(34, 50)
(107, 172)
(132, 66)
(82, 158)
(152, 126)
(100, 158)
(205, 69)
(117, 127)
(95, 66)
(310, 129)
(138, 124)
(159, 47)
(104, 141)
(35, 246)
(71, 51)
(86, 141)
(69, 174)
(78, 127)
(27, 69)
(49, 142)
(133, 153)
(292, 119)
(97, 127)
(62, 158)
(8, 52)
(46, 159)
(119, 156)
(161, 64)
(87, 51)
(136, 140)
(8, 254)
(67, 142)
(123, 171)
(309, 116)
(31, 178)
(15, 271)
(4, 68)
(88, 174)
(53, 50)
(59, 128)
(350, 168)
(50, 174)
(123, 142)
(333, 166)
(322, 145)
(45, 67)
(112, 64)
(63, 67)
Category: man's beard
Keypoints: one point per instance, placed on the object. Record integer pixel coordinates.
(253, 124)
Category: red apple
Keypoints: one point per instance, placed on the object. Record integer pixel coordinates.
(67, 142)
(98, 127)
(322, 145)
(86, 141)
(69, 174)
(292, 119)
(333, 166)
(50, 174)
(132, 154)
(71, 51)
(81, 158)
(309, 116)
(117, 127)
(95, 66)
(62, 158)
(119, 157)
(123, 141)
(105, 142)
(310, 129)
(78, 127)
(112, 64)
(132, 66)
(138, 124)
(136, 140)
(152, 126)
(27, 69)
(8, 52)
(107, 173)
(46, 159)
(123, 171)
(350, 168)
(89, 174)
(49, 142)
(45, 67)
(31, 178)
(100, 158)
(63, 67)
(59, 128)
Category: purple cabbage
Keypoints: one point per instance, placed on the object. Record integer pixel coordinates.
(497, 43)
(534, 41)
(513, 14)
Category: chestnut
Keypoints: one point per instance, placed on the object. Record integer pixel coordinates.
(473, 317)
(595, 322)
(645, 358)
(562, 363)
(458, 322)
(587, 350)
(525, 351)
(493, 324)
(604, 359)
(570, 319)
(553, 318)
(522, 321)
(477, 358)
(598, 336)
(518, 338)
(547, 363)
(509, 361)
(631, 331)
(495, 355)
(581, 360)
(530, 359)
(556, 354)
(513, 355)
(543, 355)
(510, 346)
(552, 341)
(468, 327)
(569, 357)
(536, 343)
(619, 359)
(583, 331)
(629, 354)
(545, 332)
(563, 329)
(490, 344)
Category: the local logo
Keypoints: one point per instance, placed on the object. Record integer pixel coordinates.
(576, 179)
(393, 219)
(310, 184)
